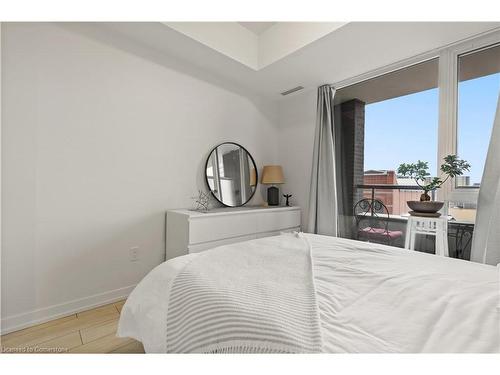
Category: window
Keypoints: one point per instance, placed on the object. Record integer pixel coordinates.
(435, 105)
(425, 108)
(400, 126)
(478, 90)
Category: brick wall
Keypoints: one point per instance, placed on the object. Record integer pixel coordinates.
(383, 178)
(349, 141)
(395, 200)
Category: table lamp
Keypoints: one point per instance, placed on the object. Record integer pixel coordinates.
(272, 175)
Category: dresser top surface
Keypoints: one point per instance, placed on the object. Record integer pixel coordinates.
(233, 210)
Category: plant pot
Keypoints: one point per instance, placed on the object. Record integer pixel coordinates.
(428, 207)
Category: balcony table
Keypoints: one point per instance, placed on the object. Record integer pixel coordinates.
(433, 226)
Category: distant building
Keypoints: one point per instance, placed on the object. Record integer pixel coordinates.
(378, 177)
(462, 180)
(394, 199)
(381, 177)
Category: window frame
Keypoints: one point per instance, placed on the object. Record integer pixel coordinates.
(448, 100)
(448, 90)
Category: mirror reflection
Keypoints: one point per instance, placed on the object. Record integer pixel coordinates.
(231, 174)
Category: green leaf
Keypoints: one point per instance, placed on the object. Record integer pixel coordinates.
(453, 166)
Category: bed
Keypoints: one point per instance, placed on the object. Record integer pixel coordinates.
(368, 298)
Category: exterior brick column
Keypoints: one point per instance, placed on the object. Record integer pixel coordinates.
(350, 141)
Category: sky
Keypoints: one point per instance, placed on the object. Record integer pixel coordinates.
(405, 129)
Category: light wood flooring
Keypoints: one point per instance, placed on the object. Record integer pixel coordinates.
(92, 331)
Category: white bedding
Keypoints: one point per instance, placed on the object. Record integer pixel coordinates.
(372, 298)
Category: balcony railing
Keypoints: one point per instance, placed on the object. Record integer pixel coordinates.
(393, 196)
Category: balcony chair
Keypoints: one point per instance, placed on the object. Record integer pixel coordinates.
(372, 222)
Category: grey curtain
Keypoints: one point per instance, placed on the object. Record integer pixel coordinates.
(323, 193)
(486, 238)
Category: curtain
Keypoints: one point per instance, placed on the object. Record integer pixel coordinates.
(323, 193)
(486, 237)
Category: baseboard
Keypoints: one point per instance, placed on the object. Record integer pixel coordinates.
(24, 320)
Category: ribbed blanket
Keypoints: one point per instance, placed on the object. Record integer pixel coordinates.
(258, 297)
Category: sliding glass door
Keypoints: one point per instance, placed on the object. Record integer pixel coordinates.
(441, 103)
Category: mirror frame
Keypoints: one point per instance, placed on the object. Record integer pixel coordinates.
(256, 173)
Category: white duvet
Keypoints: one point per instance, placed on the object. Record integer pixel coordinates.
(372, 298)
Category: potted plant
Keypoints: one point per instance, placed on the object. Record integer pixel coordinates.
(452, 166)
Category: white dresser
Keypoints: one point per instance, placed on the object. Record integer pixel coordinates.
(192, 231)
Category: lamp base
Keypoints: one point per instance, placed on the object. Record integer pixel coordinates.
(273, 196)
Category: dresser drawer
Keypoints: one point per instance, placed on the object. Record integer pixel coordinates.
(276, 221)
(196, 248)
(220, 227)
(191, 231)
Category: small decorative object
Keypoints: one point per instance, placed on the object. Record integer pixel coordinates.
(287, 197)
(272, 175)
(452, 166)
(202, 201)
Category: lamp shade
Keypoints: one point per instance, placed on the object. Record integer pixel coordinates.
(272, 174)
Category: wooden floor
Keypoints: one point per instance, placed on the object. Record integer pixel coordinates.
(92, 331)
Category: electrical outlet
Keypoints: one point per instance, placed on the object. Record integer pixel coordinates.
(134, 254)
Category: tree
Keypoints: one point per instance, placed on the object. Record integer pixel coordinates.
(453, 166)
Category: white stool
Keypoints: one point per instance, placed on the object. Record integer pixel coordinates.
(433, 226)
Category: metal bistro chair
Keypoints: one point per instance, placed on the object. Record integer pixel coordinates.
(372, 222)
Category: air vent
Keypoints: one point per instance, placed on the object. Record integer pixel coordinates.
(288, 92)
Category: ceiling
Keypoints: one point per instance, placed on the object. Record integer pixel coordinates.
(478, 64)
(353, 49)
(416, 78)
(257, 27)
(255, 44)
(420, 77)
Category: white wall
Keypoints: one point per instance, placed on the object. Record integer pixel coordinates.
(297, 120)
(97, 144)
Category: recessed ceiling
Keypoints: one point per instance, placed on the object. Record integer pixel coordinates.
(255, 44)
(257, 27)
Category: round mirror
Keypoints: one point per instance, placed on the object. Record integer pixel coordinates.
(231, 174)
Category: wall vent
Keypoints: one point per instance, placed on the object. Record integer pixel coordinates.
(288, 92)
